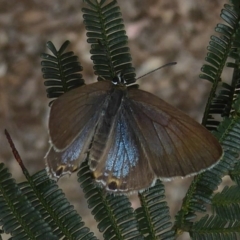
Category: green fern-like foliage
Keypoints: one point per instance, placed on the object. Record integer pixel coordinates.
(226, 204)
(61, 71)
(16, 210)
(224, 104)
(153, 215)
(114, 213)
(214, 227)
(53, 217)
(220, 49)
(37, 208)
(106, 34)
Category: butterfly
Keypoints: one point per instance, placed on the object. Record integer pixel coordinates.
(130, 137)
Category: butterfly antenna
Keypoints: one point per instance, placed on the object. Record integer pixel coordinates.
(165, 65)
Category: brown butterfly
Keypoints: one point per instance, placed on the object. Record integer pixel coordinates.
(131, 137)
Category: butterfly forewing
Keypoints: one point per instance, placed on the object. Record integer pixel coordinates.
(73, 110)
(73, 119)
(178, 145)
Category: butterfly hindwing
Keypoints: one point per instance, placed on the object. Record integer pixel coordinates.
(123, 166)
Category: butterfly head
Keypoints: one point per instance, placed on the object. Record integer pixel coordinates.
(119, 79)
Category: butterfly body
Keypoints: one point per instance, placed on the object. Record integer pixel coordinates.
(104, 128)
(130, 136)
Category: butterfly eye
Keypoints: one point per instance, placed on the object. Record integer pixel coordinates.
(115, 80)
(119, 79)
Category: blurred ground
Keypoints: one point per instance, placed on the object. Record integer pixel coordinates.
(160, 31)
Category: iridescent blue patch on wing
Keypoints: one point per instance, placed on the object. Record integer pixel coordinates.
(123, 154)
(74, 150)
